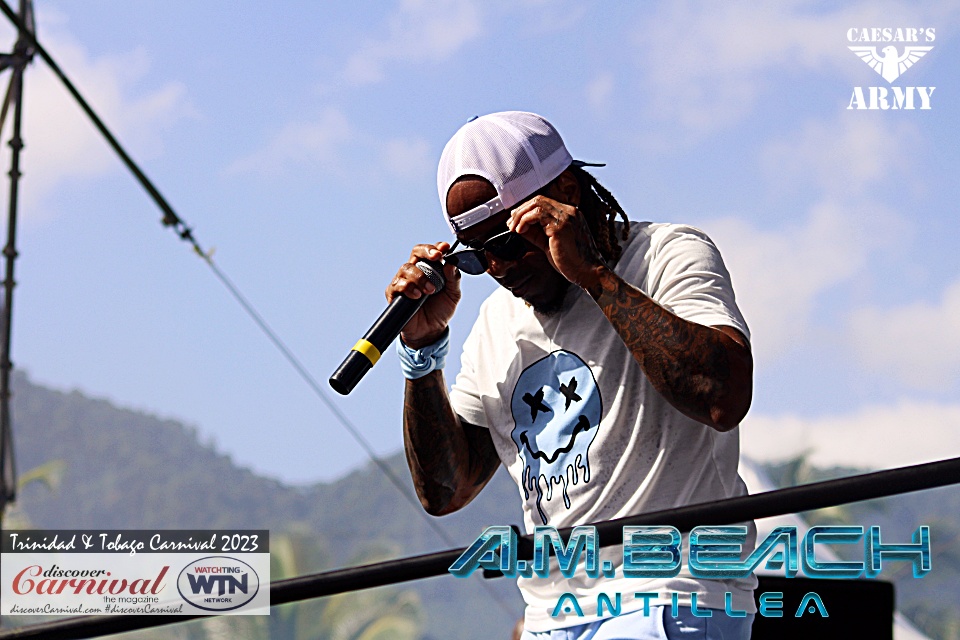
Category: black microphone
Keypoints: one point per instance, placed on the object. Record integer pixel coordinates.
(383, 332)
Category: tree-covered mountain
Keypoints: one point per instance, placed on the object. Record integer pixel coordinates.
(123, 469)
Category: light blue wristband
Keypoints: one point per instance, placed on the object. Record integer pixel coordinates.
(416, 363)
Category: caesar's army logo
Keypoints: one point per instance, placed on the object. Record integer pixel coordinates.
(899, 49)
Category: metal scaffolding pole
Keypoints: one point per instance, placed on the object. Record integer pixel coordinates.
(17, 61)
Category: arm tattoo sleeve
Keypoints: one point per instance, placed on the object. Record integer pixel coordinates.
(701, 371)
(450, 459)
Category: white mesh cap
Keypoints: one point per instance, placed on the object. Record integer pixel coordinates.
(518, 152)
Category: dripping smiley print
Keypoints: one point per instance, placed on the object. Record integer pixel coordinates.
(556, 408)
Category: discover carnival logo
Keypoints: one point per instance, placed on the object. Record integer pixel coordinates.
(135, 572)
(890, 63)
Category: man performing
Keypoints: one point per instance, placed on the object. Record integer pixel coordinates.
(609, 374)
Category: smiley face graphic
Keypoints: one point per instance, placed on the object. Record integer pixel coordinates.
(556, 408)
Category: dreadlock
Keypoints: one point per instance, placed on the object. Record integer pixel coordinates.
(601, 211)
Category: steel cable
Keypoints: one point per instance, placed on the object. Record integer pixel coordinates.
(171, 219)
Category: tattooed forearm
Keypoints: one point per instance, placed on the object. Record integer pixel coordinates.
(702, 371)
(450, 460)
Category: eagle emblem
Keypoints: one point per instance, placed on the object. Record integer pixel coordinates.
(890, 64)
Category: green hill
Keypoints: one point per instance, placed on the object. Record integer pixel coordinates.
(122, 469)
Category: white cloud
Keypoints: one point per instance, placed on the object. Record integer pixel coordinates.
(917, 343)
(878, 436)
(778, 274)
(331, 143)
(407, 158)
(707, 61)
(305, 144)
(600, 90)
(418, 31)
(61, 142)
(843, 157)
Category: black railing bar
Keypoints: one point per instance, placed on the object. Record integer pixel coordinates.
(808, 497)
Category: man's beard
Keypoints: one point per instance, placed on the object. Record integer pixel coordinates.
(554, 305)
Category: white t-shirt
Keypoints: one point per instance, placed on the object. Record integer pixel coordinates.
(585, 435)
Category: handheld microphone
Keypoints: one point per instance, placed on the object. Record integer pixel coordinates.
(383, 332)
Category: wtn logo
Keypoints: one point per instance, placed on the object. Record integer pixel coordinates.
(218, 583)
(205, 584)
(890, 64)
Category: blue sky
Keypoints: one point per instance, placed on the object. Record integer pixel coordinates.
(300, 141)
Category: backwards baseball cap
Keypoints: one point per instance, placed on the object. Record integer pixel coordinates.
(518, 152)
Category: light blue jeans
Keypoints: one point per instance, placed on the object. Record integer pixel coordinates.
(659, 625)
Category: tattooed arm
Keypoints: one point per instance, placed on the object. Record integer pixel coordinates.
(450, 459)
(705, 372)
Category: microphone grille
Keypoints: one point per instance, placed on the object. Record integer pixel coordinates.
(434, 275)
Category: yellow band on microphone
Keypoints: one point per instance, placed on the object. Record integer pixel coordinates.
(367, 349)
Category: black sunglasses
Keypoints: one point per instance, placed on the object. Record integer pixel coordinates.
(508, 245)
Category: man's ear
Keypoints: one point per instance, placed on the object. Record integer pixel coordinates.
(565, 188)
